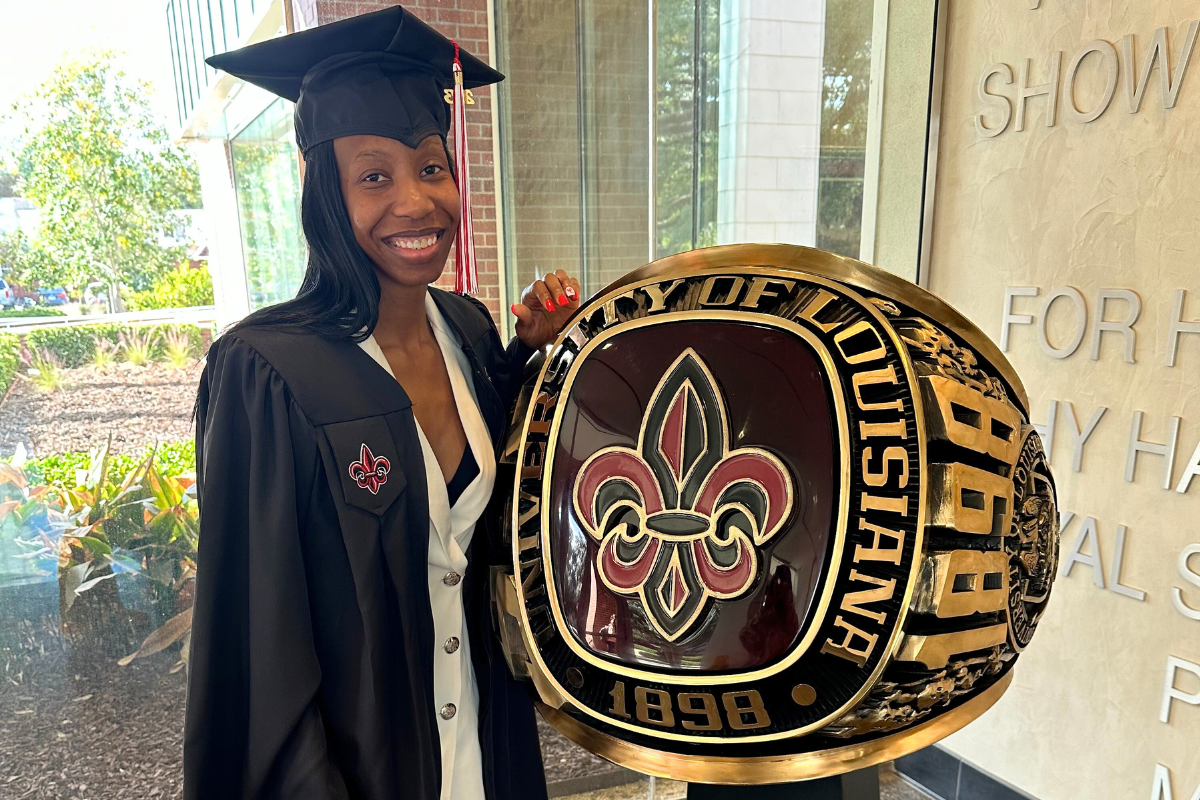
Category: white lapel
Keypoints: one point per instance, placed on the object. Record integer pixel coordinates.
(438, 500)
(474, 499)
(453, 526)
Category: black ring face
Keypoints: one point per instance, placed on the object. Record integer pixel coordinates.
(720, 499)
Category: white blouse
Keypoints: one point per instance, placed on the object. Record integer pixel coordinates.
(455, 693)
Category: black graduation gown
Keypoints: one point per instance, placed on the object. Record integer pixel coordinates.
(311, 672)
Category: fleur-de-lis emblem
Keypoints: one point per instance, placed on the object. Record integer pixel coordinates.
(680, 519)
(370, 472)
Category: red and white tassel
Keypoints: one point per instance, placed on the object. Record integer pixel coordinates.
(466, 280)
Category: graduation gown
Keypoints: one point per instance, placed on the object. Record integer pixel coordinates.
(313, 642)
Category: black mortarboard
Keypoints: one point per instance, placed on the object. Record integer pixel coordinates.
(383, 73)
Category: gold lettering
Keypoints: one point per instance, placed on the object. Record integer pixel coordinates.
(618, 696)
(759, 289)
(862, 326)
(846, 648)
(544, 634)
(853, 601)
(543, 411)
(535, 457)
(896, 505)
(884, 375)
(707, 707)
(759, 718)
(658, 295)
(653, 700)
(735, 288)
(876, 552)
(889, 455)
(813, 307)
(534, 566)
(896, 429)
(528, 515)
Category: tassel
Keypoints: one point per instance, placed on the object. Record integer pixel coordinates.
(465, 278)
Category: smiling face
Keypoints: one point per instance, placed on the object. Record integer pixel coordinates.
(403, 204)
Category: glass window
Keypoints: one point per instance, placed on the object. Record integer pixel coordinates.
(267, 177)
(846, 73)
(757, 112)
(575, 138)
(686, 124)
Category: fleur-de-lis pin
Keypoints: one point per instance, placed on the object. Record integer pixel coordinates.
(370, 472)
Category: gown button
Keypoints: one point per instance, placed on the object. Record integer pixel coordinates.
(451, 578)
(448, 711)
(452, 644)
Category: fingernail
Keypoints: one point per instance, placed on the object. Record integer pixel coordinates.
(570, 292)
(549, 305)
(513, 309)
(562, 299)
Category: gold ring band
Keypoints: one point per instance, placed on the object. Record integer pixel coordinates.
(657, 593)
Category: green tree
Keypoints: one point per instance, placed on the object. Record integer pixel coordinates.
(105, 174)
(687, 123)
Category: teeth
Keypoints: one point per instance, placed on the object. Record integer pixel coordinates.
(414, 244)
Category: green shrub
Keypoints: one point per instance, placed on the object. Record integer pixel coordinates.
(179, 288)
(76, 344)
(139, 345)
(36, 311)
(10, 360)
(46, 371)
(173, 459)
(104, 355)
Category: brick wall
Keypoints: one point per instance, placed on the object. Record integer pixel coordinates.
(465, 21)
(542, 126)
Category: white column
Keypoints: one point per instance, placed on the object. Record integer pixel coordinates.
(771, 55)
(225, 259)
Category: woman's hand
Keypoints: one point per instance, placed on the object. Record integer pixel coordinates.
(545, 307)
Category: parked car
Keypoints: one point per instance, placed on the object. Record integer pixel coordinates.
(54, 297)
(7, 296)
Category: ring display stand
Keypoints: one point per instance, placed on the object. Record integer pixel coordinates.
(861, 784)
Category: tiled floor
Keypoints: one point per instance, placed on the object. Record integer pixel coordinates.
(663, 790)
(891, 787)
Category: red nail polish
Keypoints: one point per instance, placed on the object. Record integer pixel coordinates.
(513, 309)
(570, 292)
(562, 299)
(549, 305)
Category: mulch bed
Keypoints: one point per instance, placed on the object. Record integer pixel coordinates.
(139, 406)
(68, 736)
(119, 733)
(99, 731)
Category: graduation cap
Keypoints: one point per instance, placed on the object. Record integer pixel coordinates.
(386, 73)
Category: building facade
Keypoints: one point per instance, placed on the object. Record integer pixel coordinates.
(1027, 160)
(625, 131)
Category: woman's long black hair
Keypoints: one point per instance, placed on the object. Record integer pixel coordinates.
(339, 296)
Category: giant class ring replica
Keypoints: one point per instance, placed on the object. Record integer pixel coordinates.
(775, 514)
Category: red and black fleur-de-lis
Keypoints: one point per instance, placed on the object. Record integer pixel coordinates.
(370, 472)
(680, 519)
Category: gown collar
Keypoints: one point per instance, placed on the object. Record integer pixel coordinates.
(453, 525)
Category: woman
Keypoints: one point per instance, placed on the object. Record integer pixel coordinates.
(346, 450)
